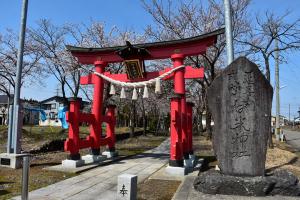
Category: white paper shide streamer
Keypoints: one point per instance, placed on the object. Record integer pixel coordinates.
(135, 85)
(112, 90)
(157, 86)
(123, 94)
(146, 93)
(134, 94)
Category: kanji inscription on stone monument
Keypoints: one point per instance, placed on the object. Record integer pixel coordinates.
(240, 100)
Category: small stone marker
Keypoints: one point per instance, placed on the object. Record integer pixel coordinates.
(240, 100)
(127, 187)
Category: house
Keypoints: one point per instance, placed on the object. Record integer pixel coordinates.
(282, 121)
(31, 110)
(29, 116)
(51, 107)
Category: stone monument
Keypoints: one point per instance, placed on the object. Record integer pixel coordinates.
(240, 100)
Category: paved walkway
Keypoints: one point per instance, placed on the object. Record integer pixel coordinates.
(293, 138)
(101, 183)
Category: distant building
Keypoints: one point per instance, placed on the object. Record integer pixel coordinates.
(29, 116)
(282, 121)
(30, 110)
(51, 107)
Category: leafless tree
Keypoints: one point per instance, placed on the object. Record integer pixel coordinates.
(51, 41)
(260, 40)
(268, 28)
(61, 64)
(191, 18)
(32, 69)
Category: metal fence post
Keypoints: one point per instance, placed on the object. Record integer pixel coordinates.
(25, 177)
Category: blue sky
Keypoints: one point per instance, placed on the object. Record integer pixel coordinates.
(130, 14)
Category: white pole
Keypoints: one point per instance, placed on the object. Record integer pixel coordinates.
(15, 130)
(277, 130)
(228, 30)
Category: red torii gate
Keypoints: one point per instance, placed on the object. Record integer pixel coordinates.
(181, 111)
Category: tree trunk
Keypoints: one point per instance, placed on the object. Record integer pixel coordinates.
(200, 126)
(270, 141)
(132, 119)
(267, 64)
(144, 117)
(66, 102)
(208, 125)
(208, 119)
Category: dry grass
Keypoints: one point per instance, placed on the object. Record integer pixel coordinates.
(153, 189)
(36, 136)
(278, 158)
(282, 159)
(139, 144)
(283, 156)
(10, 179)
(203, 149)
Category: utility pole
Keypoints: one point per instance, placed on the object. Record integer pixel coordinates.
(228, 30)
(289, 113)
(8, 104)
(277, 130)
(12, 157)
(57, 90)
(16, 107)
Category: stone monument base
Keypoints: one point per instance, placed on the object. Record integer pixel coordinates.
(280, 182)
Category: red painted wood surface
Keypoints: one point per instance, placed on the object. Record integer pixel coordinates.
(175, 130)
(190, 48)
(190, 73)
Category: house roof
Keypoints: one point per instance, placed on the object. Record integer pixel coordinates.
(56, 98)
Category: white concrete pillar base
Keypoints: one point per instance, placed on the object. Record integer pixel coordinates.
(176, 171)
(72, 163)
(110, 154)
(92, 158)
